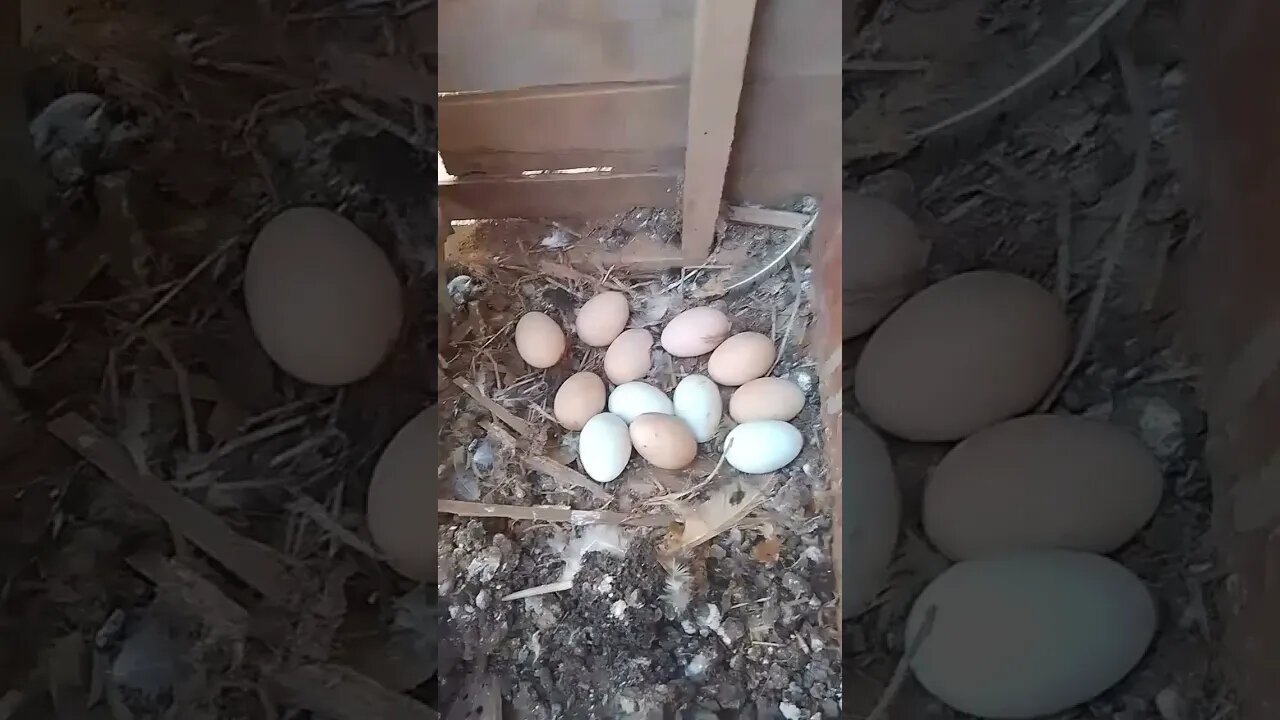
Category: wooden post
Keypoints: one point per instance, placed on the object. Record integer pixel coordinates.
(722, 36)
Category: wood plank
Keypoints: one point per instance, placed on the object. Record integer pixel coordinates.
(788, 139)
(511, 44)
(581, 195)
(722, 36)
(625, 126)
(767, 217)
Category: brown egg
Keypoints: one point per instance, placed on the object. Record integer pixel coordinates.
(1040, 482)
(602, 318)
(322, 298)
(886, 261)
(664, 440)
(964, 354)
(402, 498)
(579, 398)
(741, 358)
(628, 357)
(539, 340)
(696, 331)
(766, 398)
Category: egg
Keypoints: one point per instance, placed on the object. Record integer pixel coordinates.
(872, 508)
(321, 297)
(696, 400)
(628, 356)
(966, 353)
(604, 447)
(664, 440)
(539, 340)
(630, 400)
(1030, 634)
(1041, 481)
(579, 398)
(741, 358)
(886, 263)
(762, 446)
(766, 398)
(401, 506)
(696, 331)
(602, 318)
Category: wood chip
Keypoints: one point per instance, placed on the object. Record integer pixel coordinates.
(341, 693)
(201, 598)
(521, 427)
(551, 513)
(767, 217)
(258, 565)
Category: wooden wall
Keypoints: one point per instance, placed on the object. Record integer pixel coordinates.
(554, 84)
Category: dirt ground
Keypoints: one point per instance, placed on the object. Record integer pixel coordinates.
(1043, 194)
(183, 524)
(741, 626)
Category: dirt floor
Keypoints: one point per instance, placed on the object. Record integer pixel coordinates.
(183, 525)
(743, 625)
(1050, 194)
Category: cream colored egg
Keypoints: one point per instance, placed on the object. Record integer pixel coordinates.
(603, 318)
(604, 447)
(1041, 481)
(628, 357)
(579, 399)
(697, 401)
(631, 400)
(872, 513)
(966, 353)
(762, 446)
(322, 298)
(664, 440)
(539, 340)
(766, 398)
(696, 331)
(402, 498)
(884, 263)
(1030, 634)
(741, 358)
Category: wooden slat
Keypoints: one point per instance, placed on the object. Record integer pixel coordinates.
(556, 195)
(632, 127)
(512, 44)
(722, 34)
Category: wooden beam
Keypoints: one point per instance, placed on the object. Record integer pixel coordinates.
(767, 217)
(722, 35)
(570, 195)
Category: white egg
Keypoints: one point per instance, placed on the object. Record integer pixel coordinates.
(631, 400)
(697, 402)
(604, 447)
(762, 446)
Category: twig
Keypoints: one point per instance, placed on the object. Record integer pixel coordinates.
(1063, 229)
(550, 513)
(881, 710)
(521, 427)
(320, 515)
(184, 387)
(186, 280)
(367, 114)
(1133, 197)
(791, 320)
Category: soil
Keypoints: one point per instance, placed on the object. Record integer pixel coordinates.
(741, 626)
(1041, 195)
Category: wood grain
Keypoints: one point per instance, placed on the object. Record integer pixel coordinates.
(722, 34)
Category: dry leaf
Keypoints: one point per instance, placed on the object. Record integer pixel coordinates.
(766, 551)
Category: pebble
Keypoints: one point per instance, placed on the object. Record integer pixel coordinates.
(789, 711)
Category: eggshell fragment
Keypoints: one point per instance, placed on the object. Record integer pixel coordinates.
(886, 261)
(322, 298)
(664, 440)
(766, 398)
(628, 357)
(696, 331)
(579, 398)
(402, 498)
(697, 401)
(539, 340)
(741, 358)
(872, 513)
(602, 318)
(1042, 481)
(762, 446)
(631, 400)
(966, 353)
(604, 447)
(1030, 634)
